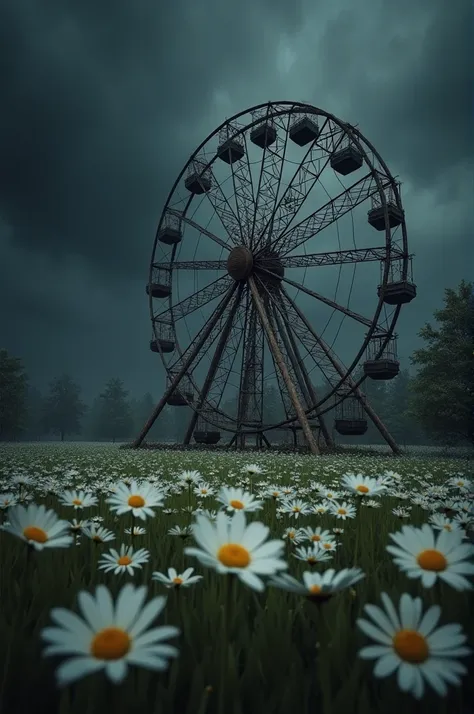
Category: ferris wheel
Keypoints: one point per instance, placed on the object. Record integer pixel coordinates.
(281, 259)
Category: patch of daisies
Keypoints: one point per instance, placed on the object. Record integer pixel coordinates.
(406, 639)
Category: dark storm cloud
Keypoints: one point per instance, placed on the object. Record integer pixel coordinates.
(404, 72)
(102, 103)
(93, 96)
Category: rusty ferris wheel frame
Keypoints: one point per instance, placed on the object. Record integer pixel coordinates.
(261, 224)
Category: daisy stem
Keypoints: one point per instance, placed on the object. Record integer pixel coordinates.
(132, 529)
(226, 635)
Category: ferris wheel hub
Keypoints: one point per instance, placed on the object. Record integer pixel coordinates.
(240, 263)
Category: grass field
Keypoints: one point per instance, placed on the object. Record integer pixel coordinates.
(240, 650)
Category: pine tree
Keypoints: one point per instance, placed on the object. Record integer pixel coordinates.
(115, 418)
(63, 409)
(443, 397)
(13, 386)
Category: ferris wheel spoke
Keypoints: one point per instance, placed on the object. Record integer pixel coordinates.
(330, 212)
(339, 257)
(193, 265)
(250, 405)
(227, 356)
(224, 212)
(321, 298)
(220, 335)
(195, 301)
(200, 229)
(304, 178)
(271, 171)
(242, 183)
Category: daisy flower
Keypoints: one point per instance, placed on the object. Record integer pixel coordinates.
(98, 534)
(137, 499)
(342, 510)
(311, 555)
(204, 490)
(77, 526)
(135, 531)
(78, 499)
(109, 636)
(231, 546)
(371, 503)
(126, 560)
(362, 485)
(173, 580)
(180, 532)
(338, 531)
(38, 527)
(315, 535)
(252, 469)
(401, 512)
(409, 643)
(423, 553)
(295, 508)
(440, 522)
(7, 500)
(236, 499)
(318, 586)
(459, 482)
(190, 478)
(293, 534)
(319, 509)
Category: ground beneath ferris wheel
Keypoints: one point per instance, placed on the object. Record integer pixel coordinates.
(265, 262)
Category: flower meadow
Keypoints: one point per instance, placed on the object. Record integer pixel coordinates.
(204, 583)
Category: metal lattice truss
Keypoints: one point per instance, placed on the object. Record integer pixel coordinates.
(258, 195)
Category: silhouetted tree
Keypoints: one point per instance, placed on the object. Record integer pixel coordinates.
(115, 417)
(442, 397)
(13, 385)
(63, 407)
(34, 414)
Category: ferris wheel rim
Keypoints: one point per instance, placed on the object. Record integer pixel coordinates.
(359, 139)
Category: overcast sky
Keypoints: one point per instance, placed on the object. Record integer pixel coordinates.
(101, 104)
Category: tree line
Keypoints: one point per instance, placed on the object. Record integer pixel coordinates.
(435, 405)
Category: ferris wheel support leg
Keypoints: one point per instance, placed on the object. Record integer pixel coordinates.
(378, 423)
(299, 368)
(264, 438)
(357, 393)
(185, 366)
(283, 369)
(224, 336)
(312, 392)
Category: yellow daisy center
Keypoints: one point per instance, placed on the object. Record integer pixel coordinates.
(124, 560)
(110, 643)
(315, 538)
(296, 509)
(311, 560)
(329, 495)
(136, 501)
(203, 490)
(342, 511)
(238, 505)
(411, 646)
(275, 494)
(97, 538)
(447, 527)
(291, 534)
(460, 483)
(77, 502)
(233, 555)
(328, 546)
(315, 589)
(432, 560)
(178, 581)
(362, 489)
(35, 533)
